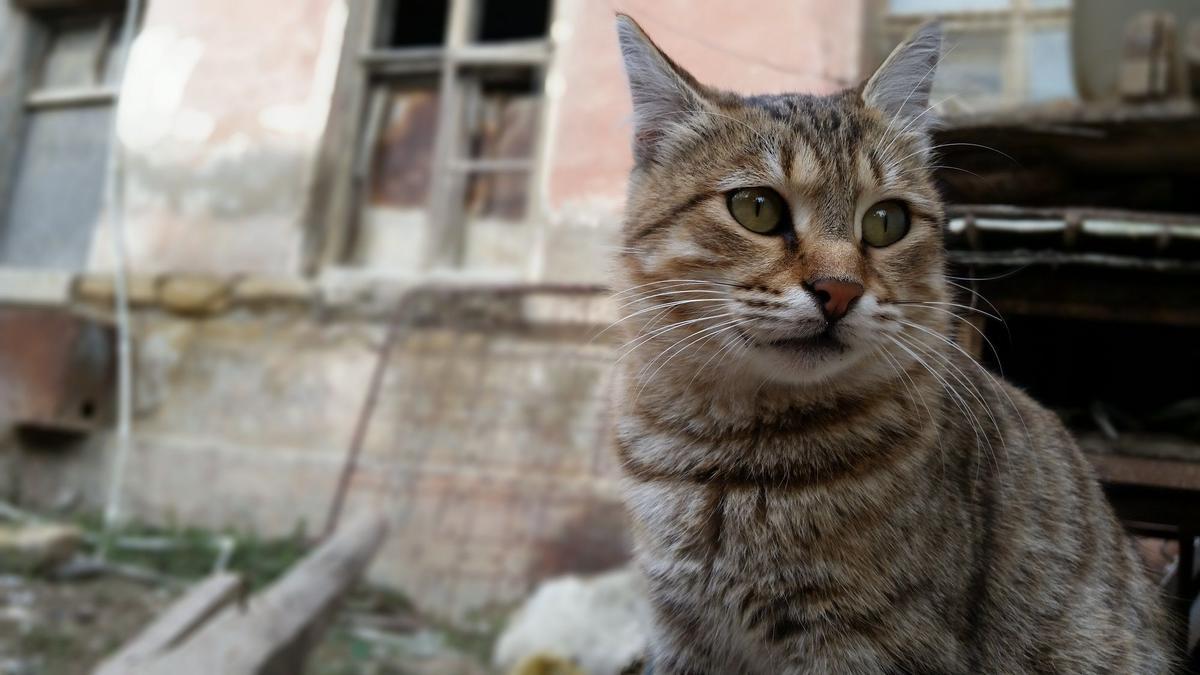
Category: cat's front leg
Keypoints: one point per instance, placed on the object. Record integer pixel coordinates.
(685, 649)
(672, 659)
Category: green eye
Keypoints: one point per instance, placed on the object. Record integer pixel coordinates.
(757, 209)
(884, 224)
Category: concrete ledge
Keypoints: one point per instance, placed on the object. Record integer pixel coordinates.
(195, 295)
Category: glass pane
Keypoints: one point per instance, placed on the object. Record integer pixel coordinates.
(57, 193)
(972, 69)
(73, 53)
(514, 20)
(942, 6)
(499, 195)
(502, 124)
(392, 228)
(1050, 4)
(1048, 65)
(401, 169)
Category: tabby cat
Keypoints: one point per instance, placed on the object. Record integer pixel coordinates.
(821, 480)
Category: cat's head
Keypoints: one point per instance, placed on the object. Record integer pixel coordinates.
(789, 235)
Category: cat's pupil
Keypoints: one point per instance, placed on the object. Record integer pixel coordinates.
(758, 204)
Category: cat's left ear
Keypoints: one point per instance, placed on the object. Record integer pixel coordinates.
(664, 94)
(900, 88)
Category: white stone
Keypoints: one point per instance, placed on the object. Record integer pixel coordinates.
(597, 623)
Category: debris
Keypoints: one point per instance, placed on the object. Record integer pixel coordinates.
(37, 547)
(173, 626)
(595, 623)
(270, 633)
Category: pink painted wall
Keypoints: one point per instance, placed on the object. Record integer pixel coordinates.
(221, 112)
(749, 47)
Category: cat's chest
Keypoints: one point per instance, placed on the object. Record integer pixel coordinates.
(741, 524)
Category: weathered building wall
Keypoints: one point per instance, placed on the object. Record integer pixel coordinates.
(488, 448)
(221, 111)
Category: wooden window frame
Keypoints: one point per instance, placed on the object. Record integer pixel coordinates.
(30, 32)
(344, 167)
(99, 94)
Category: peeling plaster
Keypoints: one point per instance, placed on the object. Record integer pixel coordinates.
(160, 65)
(307, 119)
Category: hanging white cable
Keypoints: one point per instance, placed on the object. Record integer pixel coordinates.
(115, 209)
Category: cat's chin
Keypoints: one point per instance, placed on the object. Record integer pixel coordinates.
(813, 360)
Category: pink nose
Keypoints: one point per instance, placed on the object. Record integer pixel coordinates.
(835, 296)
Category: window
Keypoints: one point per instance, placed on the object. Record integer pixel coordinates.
(998, 53)
(450, 133)
(56, 191)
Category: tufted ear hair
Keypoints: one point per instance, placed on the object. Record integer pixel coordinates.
(900, 88)
(663, 93)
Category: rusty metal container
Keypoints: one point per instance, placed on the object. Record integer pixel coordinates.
(56, 369)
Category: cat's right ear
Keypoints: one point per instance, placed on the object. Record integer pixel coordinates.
(664, 95)
(901, 88)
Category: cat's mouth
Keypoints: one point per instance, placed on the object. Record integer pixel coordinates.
(818, 342)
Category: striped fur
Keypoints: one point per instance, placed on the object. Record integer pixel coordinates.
(881, 505)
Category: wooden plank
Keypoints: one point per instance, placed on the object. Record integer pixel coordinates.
(71, 98)
(331, 207)
(197, 606)
(1160, 473)
(274, 631)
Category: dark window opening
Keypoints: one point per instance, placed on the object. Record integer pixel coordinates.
(419, 24)
(512, 20)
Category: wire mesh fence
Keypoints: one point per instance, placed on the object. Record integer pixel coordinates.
(485, 437)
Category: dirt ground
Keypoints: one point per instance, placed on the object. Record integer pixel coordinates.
(66, 628)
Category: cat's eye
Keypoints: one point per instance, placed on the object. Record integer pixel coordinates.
(885, 223)
(757, 209)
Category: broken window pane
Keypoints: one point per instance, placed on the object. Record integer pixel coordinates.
(401, 169)
(498, 195)
(504, 20)
(75, 52)
(393, 222)
(501, 124)
(418, 23)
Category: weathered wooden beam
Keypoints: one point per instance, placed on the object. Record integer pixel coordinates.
(174, 626)
(274, 631)
(269, 634)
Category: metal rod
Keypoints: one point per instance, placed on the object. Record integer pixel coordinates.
(116, 220)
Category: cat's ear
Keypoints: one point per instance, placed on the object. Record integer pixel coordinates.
(663, 93)
(900, 88)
